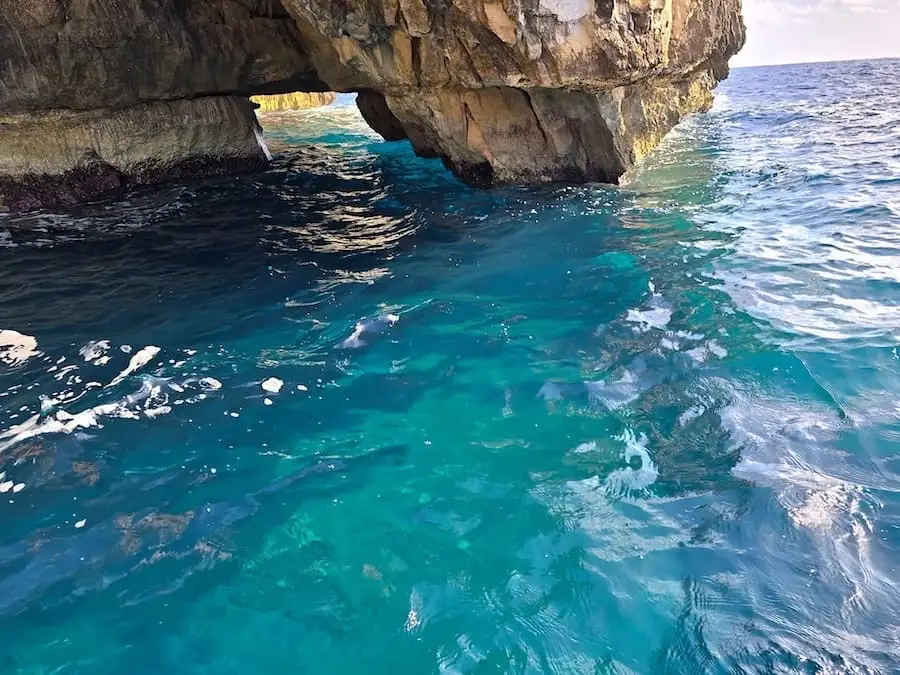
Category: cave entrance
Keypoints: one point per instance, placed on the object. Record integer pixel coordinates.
(312, 129)
(367, 104)
(352, 112)
(284, 119)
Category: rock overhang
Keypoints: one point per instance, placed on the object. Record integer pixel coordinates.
(505, 91)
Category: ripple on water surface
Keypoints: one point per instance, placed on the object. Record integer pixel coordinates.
(348, 413)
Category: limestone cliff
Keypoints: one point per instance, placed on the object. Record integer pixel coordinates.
(295, 101)
(525, 90)
(96, 94)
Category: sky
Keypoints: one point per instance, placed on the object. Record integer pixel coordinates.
(802, 31)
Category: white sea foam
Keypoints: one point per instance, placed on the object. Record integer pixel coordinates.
(16, 348)
(138, 361)
(632, 479)
(702, 353)
(95, 352)
(716, 349)
(671, 345)
(690, 415)
(272, 385)
(646, 319)
(150, 401)
(210, 383)
(699, 354)
(157, 411)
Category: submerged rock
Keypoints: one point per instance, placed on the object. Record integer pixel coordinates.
(374, 326)
(102, 94)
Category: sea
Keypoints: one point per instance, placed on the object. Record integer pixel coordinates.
(348, 415)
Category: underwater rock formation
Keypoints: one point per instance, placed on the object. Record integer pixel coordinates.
(97, 94)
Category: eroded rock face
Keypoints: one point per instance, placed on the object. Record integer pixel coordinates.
(294, 101)
(90, 54)
(527, 90)
(60, 157)
(503, 90)
(97, 94)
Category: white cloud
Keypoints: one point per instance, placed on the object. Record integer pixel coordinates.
(791, 31)
(807, 11)
(858, 6)
(773, 11)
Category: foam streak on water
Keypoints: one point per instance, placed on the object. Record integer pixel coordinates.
(348, 415)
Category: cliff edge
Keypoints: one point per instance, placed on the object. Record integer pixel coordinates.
(295, 101)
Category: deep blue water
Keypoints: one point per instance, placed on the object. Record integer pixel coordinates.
(645, 429)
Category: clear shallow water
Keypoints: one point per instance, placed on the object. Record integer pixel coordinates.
(647, 429)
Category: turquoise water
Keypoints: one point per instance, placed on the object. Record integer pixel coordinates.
(647, 429)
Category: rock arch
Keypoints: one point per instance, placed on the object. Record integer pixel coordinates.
(97, 94)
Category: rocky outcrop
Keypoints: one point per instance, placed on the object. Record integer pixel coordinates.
(526, 90)
(91, 54)
(296, 101)
(503, 90)
(61, 157)
(97, 94)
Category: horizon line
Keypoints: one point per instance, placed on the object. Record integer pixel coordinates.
(812, 63)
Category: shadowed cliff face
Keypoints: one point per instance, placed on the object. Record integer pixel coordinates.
(89, 54)
(294, 101)
(504, 91)
(99, 94)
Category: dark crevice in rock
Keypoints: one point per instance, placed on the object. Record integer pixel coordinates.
(378, 115)
(266, 9)
(416, 50)
(479, 175)
(605, 9)
(537, 119)
(641, 21)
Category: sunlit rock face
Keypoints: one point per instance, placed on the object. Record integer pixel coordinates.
(527, 90)
(297, 100)
(512, 91)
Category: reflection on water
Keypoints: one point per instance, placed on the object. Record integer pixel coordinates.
(348, 411)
